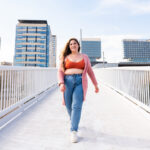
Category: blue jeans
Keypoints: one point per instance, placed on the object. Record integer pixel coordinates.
(73, 98)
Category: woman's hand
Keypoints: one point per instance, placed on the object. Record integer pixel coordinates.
(62, 87)
(96, 89)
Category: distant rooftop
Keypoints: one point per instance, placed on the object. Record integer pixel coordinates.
(33, 21)
(91, 39)
(143, 40)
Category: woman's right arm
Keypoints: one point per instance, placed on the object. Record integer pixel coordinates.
(60, 75)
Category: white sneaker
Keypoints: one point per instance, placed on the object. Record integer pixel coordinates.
(74, 138)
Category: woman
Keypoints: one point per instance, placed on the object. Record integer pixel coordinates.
(72, 79)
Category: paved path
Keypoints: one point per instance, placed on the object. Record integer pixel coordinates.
(108, 122)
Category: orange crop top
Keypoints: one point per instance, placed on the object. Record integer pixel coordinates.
(70, 64)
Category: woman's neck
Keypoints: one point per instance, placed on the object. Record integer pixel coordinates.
(75, 53)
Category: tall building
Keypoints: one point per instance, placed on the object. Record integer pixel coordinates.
(32, 43)
(137, 50)
(53, 49)
(91, 47)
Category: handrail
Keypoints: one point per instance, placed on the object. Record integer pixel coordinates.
(133, 82)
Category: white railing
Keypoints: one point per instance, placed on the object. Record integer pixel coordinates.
(20, 85)
(132, 82)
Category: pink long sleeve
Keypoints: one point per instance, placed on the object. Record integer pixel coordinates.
(91, 73)
(60, 76)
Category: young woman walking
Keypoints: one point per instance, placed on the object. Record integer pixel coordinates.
(72, 79)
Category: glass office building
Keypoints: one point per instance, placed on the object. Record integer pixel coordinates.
(32, 43)
(91, 47)
(137, 50)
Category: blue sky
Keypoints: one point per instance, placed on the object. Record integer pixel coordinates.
(110, 20)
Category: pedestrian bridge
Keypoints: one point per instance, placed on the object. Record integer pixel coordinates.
(112, 119)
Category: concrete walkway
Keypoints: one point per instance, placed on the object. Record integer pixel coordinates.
(109, 122)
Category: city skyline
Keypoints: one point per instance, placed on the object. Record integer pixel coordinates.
(111, 21)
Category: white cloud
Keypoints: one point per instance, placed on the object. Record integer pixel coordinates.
(130, 6)
(140, 8)
(111, 2)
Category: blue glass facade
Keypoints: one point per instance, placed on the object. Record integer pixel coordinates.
(91, 47)
(32, 43)
(137, 50)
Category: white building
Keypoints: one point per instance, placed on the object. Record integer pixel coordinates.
(52, 52)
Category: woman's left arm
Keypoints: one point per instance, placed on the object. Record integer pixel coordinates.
(92, 76)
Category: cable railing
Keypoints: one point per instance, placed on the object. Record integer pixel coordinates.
(19, 86)
(132, 82)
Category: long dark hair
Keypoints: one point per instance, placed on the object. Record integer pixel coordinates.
(66, 51)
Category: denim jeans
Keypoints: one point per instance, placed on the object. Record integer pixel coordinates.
(74, 98)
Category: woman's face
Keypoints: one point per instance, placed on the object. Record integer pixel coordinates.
(73, 46)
